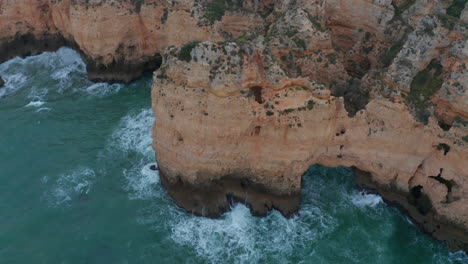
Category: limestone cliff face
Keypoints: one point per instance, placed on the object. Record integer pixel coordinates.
(376, 85)
(117, 39)
(251, 93)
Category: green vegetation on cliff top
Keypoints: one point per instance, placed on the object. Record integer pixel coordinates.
(424, 85)
(185, 50)
(215, 9)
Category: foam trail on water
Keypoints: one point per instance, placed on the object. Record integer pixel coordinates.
(211, 237)
(68, 62)
(69, 185)
(363, 199)
(459, 257)
(103, 89)
(134, 133)
(43, 109)
(55, 74)
(239, 237)
(13, 83)
(141, 182)
(35, 104)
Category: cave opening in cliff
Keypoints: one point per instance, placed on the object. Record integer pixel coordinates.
(257, 93)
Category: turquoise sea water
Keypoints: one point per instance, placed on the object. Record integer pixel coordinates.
(75, 187)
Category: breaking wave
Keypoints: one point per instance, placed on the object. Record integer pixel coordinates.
(241, 238)
(13, 83)
(132, 136)
(55, 74)
(35, 104)
(103, 89)
(363, 199)
(134, 133)
(142, 182)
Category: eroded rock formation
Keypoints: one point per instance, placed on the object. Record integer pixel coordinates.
(251, 93)
(366, 84)
(118, 39)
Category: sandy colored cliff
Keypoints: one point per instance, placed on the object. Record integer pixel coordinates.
(118, 40)
(376, 85)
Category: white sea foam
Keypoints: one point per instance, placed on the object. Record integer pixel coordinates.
(68, 185)
(73, 69)
(70, 70)
(103, 89)
(17, 79)
(69, 56)
(458, 257)
(13, 83)
(43, 109)
(141, 182)
(363, 199)
(134, 133)
(59, 72)
(38, 93)
(318, 235)
(69, 61)
(63, 73)
(239, 237)
(211, 237)
(35, 104)
(57, 65)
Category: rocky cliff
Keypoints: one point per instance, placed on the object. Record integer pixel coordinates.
(118, 39)
(250, 93)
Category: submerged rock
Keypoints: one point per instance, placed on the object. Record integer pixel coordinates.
(2, 82)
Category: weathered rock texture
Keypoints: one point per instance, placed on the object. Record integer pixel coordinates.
(376, 85)
(117, 39)
(251, 93)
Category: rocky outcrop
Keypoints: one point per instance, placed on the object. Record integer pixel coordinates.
(117, 39)
(331, 84)
(249, 94)
(232, 126)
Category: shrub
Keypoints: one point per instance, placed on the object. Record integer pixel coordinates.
(215, 10)
(390, 55)
(243, 38)
(453, 14)
(186, 49)
(310, 104)
(424, 85)
(456, 8)
(448, 21)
